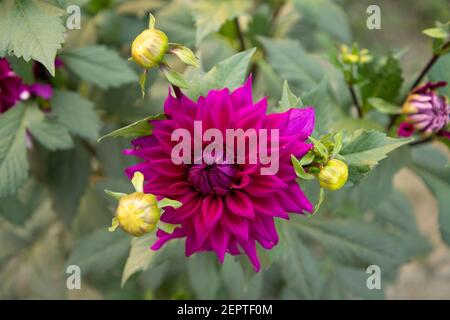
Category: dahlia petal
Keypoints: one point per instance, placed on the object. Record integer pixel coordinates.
(233, 248)
(240, 204)
(294, 200)
(250, 249)
(219, 242)
(242, 96)
(42, 90)
(163, 237)
(252, 116)
(183, 104)
(269, 206)
(215, 111)
(301, 121)
(235, 225)
(263, 185)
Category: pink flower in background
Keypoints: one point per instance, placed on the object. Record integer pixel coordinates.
(12, 89)
(426, 111)
(405, 130)
(227, 208)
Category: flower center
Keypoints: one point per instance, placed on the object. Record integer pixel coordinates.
(212, 178)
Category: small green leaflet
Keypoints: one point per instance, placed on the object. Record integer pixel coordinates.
(115, 195)
(32, 30)
(184, 54)
(13, 157)
(288, 99)
(363, 149)
(137, 129)
(298, 167)
(440, 32)
(100, 66)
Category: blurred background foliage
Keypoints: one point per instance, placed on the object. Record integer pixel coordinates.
(60, 215)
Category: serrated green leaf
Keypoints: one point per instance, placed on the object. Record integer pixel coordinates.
(382, 80)
(76, 114)
(140, 256)
(365, 148)
(210, 15)
(30, 32)
(13, 158)
(100, 251)
(100, 66)
(52, 135)
(229, 73)
(137, 129)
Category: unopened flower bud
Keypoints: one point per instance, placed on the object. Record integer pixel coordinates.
(426, 110)
(354, 55)
(138, 213)
(149, 47)
(333, 175)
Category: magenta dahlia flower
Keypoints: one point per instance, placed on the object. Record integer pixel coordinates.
(426, 111)
(12, 89)
(227, 207)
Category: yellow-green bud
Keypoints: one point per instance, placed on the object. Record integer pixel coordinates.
(138, 213)
(333, 175)
(149, 47)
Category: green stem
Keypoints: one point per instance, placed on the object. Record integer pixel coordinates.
(355, 100)
(177, 91)
(239, 33)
